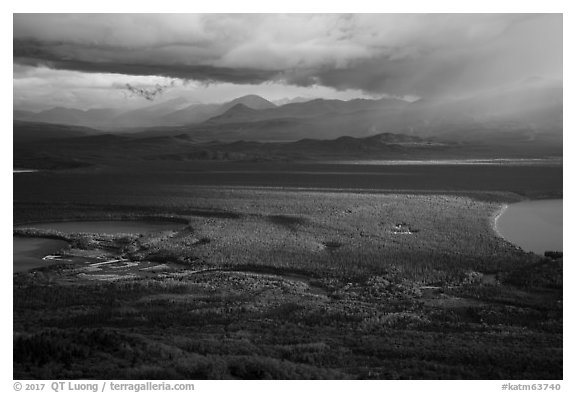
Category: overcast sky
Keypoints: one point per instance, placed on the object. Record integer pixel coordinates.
(104, 60)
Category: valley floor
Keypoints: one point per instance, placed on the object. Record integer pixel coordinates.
(265, 283)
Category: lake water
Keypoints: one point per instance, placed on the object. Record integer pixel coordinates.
(28, 252)
(109, 227)
(533, 225)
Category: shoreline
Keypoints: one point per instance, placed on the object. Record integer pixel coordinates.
(549, 161)
(495, 218)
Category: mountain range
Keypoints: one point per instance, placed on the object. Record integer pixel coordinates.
(527, 115)
(177, 111)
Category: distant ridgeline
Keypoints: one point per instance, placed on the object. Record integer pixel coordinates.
(532, 109)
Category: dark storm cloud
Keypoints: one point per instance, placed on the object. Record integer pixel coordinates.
(377, 53)
(37, 53)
